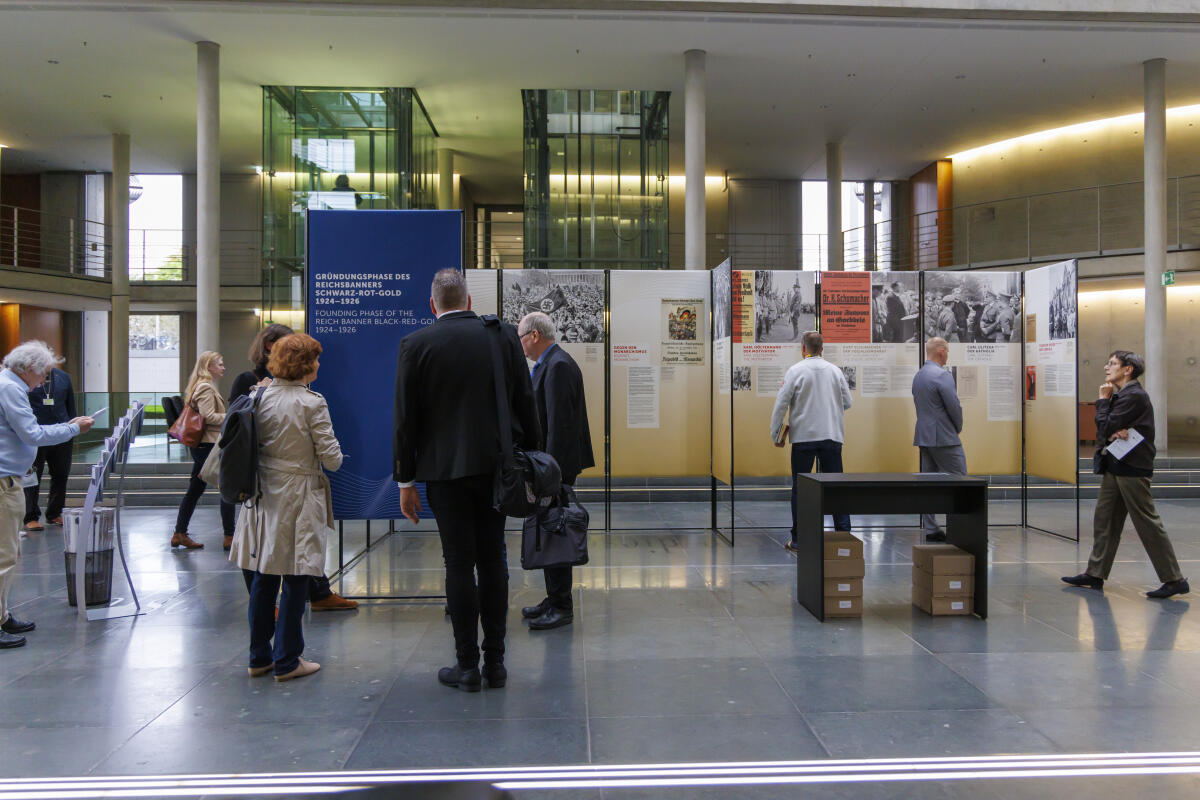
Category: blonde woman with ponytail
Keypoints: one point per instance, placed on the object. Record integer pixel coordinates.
(202, 394)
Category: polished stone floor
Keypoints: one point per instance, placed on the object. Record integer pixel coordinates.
(683, 650)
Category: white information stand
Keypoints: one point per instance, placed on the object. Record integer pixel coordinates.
(115, 454)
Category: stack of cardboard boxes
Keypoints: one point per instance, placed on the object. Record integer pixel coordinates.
(943, 579)
(844, 570)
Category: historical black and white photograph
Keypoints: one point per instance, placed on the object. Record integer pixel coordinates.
(851, 373)
(895, 307)
(785, 305)
(574, 299)
(741, 379)
(1063, 302)
(722, 301)
(973, 307)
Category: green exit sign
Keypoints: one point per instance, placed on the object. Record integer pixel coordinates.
(1168, 278)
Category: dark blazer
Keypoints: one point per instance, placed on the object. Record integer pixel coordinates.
(1128, 408)
(562, 412)
(61, 392)
(244, 382)
(446, 424)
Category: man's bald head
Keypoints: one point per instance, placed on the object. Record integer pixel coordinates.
(937, 349)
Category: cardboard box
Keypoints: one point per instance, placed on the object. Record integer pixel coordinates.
(943, 585)
(843, 606)
(842, 544)
(942, 606)
(844, 568)
(942, 559)
(843, 587)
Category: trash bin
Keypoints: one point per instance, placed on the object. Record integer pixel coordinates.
(98, 561)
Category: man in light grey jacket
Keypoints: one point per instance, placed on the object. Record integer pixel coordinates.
(812, 402)
(939, 421)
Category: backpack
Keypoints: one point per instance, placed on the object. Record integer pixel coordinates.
(239, 450)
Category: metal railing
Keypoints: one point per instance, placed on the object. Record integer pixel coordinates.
(157, 255)
(34, 240)
(1095, 221)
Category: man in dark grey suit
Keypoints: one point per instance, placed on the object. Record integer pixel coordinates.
(562, 412)
(939, 421)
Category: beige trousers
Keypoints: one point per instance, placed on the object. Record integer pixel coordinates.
(12, 515)
(1122, 495)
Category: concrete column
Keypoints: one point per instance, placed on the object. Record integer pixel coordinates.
(833, 203)
(695, 98)
(868, 242)
(445, 178)
(1154, 142)
(208, 196)
(118, 215)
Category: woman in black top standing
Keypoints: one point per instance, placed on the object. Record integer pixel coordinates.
(260, 351)
(320, 596)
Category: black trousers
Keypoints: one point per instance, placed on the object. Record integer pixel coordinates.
(828, 455)
(472, 534)
(58, 458)
(196, 487)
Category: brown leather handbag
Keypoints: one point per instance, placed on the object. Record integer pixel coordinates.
(188, 430)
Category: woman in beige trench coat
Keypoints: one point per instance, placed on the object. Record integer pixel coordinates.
(280, 538)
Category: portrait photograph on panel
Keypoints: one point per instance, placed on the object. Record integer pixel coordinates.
(1063, 304)
(895, 307)
(785, 306)
(973, 307)
(574, 299)
(722, 292)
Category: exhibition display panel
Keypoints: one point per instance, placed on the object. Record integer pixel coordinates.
(682, 368)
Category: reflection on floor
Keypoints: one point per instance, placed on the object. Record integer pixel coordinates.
(683, 649)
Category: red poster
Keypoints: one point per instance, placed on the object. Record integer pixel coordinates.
(743, 306)
(846, 307)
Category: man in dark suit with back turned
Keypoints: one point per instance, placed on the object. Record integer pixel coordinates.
(447, 434)
(562, 412)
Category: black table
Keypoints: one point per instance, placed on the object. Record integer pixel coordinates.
(963, 499)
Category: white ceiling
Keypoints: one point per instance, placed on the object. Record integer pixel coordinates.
(898, 93)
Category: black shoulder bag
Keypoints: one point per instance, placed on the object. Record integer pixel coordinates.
(524, 477)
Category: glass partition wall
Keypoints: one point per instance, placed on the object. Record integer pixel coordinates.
(596, 167)
(326, 147)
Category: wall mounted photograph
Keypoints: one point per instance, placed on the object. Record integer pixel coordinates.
(973, 307)
(895, 307)
(574, 299)
(785, 306)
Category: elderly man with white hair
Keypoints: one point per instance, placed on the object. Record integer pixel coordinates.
(25, 368)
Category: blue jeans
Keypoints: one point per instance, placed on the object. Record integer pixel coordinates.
(828, 455)
(286, 630)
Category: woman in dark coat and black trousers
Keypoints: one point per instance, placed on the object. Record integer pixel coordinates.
(320, 596)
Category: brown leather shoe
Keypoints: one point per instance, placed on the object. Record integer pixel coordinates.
(335, 602)
(227, 543)
(56, 521)
(34, 525)
(258, 672)
(183, 540)
(304, 668)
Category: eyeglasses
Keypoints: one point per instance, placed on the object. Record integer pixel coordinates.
(526, 333)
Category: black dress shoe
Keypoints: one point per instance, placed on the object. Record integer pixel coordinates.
(937, 536)
(14, 625)
(495, 675)
(533, 612)
(8, 640)
(1085, 581)
(1170, 588)
(458, 678)
(553, 618)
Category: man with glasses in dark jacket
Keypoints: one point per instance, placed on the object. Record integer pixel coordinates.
(1124, 408)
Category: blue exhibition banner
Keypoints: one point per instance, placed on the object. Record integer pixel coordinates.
(369, 274)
